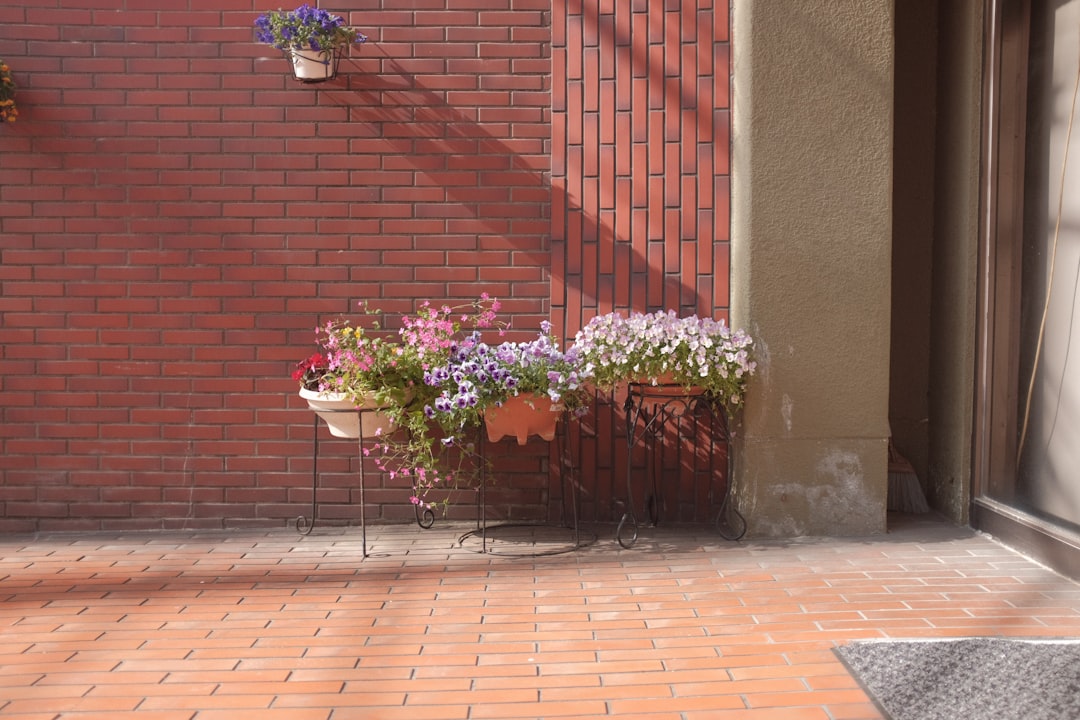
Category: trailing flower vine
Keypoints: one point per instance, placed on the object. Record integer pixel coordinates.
(427, 455)
(8, 110)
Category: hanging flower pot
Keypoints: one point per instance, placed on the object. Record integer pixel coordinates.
(342, 417)
(521, 416)
(312, 39)
(313, 66)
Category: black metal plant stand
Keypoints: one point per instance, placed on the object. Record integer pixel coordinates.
(303, 525)
(483, 528)
(650, 409)
(425, 517)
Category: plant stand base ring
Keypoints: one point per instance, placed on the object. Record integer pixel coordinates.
(487, 537)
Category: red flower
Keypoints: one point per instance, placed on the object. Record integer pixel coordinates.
(310, 369)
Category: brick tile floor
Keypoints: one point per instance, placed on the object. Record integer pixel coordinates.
(271, 625)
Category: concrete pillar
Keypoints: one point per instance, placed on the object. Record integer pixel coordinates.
(812, 154)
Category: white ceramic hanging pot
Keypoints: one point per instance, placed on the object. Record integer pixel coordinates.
(313, 65)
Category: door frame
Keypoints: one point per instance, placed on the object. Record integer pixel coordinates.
(1007, 31)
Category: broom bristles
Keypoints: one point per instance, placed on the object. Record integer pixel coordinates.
(905, 492)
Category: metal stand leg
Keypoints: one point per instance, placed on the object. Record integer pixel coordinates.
(729, 521)
(303, 526)
(562, 449)
(481, 507)
(425, 517)
(482, 517)
(628, 522)
(363, 504)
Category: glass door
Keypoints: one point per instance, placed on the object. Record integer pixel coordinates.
(1028, 420)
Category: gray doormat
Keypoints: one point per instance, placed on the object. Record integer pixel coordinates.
(973, 679)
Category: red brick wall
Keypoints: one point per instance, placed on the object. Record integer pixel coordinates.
(176, 216)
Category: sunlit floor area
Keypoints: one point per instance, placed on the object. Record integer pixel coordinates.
(273, 625)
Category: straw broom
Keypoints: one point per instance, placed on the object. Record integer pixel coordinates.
(905, 492)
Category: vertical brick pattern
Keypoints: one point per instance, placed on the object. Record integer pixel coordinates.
(177, 214)
(640, 165)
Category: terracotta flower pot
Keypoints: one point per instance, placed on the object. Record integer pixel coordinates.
(521, 416)
(666, 384)
(665, 390)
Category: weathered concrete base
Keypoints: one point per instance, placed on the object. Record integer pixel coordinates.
(792, 487)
